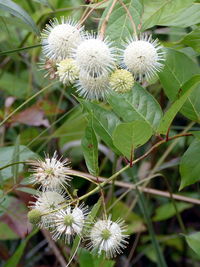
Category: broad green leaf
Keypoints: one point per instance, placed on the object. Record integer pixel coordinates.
(104, 122)
(85, 258)
(174, 75)
(17, 11)
(189, 165)
(188, 17)
(192, 39)
(168, 210)
(193, 241)
(138, 104)
(15, 258)
(128, 136)
(119, 25)
(169, 13)
(6, 154)
(90, 149)
(186, 90)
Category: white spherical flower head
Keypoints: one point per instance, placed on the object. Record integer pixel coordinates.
(60, 39)
(51, 173)
(121, 81)
(95, 56)
(45, 204)
(108, 236)
(143, 57)
(68, 222)
(67, 71)
(93, 87)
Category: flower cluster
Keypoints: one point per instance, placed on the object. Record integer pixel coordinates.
(93, 64)
(58, 211)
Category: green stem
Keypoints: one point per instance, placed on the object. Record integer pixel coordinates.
(19, 49)
(11, 164)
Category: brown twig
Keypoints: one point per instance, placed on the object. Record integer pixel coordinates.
(105, 22)
(53, 246)
(143, 189)
(130, 17)
(83, 19)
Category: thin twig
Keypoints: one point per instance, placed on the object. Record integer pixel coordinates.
(130, 17)
(145, 190)
(92, 9)
(105, 22)
(53, 246)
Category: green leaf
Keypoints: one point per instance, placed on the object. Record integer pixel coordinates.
(168, 210)
(136, 105)
(193, 241)
(104, 122)
(174, 75)
(17, 11)
(119, 25)
(15, 258)
(90, 149)
(85, 258)
(6, 154)
(128, 136)
(192, 39)
(186, 90)
(189, 165)
(176, 13)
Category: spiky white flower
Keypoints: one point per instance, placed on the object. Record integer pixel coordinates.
(95, 56)
(50, 173)
(143, 57)
(121, 81)
(44, 206)
(108, 236)
(68, 222)
(93, 87)
(59, 39)
(67, 71)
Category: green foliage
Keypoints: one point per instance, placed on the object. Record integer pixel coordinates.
(193, 241)
(90, 149)
(6, 155)
(14, 260)
(19, 12)
(119, 25)
(128, 136)
(136, 105)
(192, 39)
(175, 75)
(184, 94)
(104, 135)
(176, 13)
(189, 165)
(168, 210)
